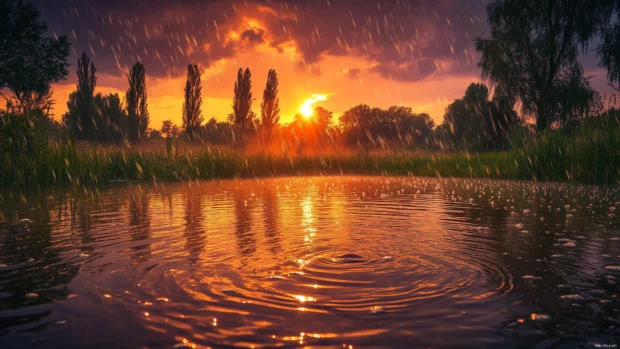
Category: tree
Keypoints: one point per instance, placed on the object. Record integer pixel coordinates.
(322, 119)
(366, 126)
(609, 52)
(154, 134)
(29, 62)
(218, 132)
(476, 95)
(533, 48)
(137, 105)
(192, 114)
(242, 101)
(356, 118)
(171, 131)
(270, 108)
(476, 123)
(82, 120)
(111, 117)
(576, 100)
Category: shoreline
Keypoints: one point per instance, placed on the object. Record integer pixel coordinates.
(61, 165)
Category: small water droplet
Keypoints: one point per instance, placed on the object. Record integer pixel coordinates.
(377, 309)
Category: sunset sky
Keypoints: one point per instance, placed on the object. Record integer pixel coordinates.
(417, 53)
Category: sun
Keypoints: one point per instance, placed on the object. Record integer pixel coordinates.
(307, 108)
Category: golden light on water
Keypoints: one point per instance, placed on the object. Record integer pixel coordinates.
(307, 108)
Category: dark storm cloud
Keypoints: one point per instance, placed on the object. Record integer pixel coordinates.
(394, 34)
(405, 40)
(412, 70)
(254, 35)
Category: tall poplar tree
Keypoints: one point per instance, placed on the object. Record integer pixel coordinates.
(137, 104)
(270, 108)
(192, 114)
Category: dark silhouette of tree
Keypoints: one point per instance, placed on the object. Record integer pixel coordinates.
(375, 127)
(323, 119)
(137, 105)
(154, 134)
(242, 101)
(477, 123)
(171, 131)
(85, 92)
(609, 51)
(80, 117)
(310, 134)
(533, 48)
(576, 100)
(270, 108)
(29, 62)
(476, 95)
(111, 117)
(192, 114)
(94, 117)
(217, 132)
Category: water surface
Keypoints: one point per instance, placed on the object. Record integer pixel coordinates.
(360, 262)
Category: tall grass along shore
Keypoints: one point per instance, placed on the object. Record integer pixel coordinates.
(590, 154)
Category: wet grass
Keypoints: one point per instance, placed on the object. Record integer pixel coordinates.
(590, 154)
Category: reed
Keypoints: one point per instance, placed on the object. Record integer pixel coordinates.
(590, 154)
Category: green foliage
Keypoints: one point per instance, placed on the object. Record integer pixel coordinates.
(532, 54)
(477, 123)
(110, 118)
(609, 49)
(589, 154)
(192, 114)
(94, 117)
(520, 137)
(29, 62)
(80, 117)
(20, 135)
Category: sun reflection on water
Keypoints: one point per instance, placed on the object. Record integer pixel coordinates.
(364, 260)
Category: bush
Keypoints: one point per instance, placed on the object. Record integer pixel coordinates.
(20, 135)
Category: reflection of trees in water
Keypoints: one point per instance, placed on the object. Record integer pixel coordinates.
(32, 259)
(246, 240)
(194, 230)
(139, 222)
(83, 219)
(166, 203)
(271, 218)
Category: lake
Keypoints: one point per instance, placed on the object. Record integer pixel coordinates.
(313, 262)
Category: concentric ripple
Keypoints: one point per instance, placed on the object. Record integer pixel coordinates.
(322, 262)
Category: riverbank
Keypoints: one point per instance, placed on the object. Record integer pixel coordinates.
(591, 153)
(60, 164)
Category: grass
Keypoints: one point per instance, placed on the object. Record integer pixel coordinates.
(590, 154)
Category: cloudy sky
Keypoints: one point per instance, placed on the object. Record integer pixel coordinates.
(417, 53)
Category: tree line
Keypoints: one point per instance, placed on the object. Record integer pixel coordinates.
(529, 60)
(473, 122)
